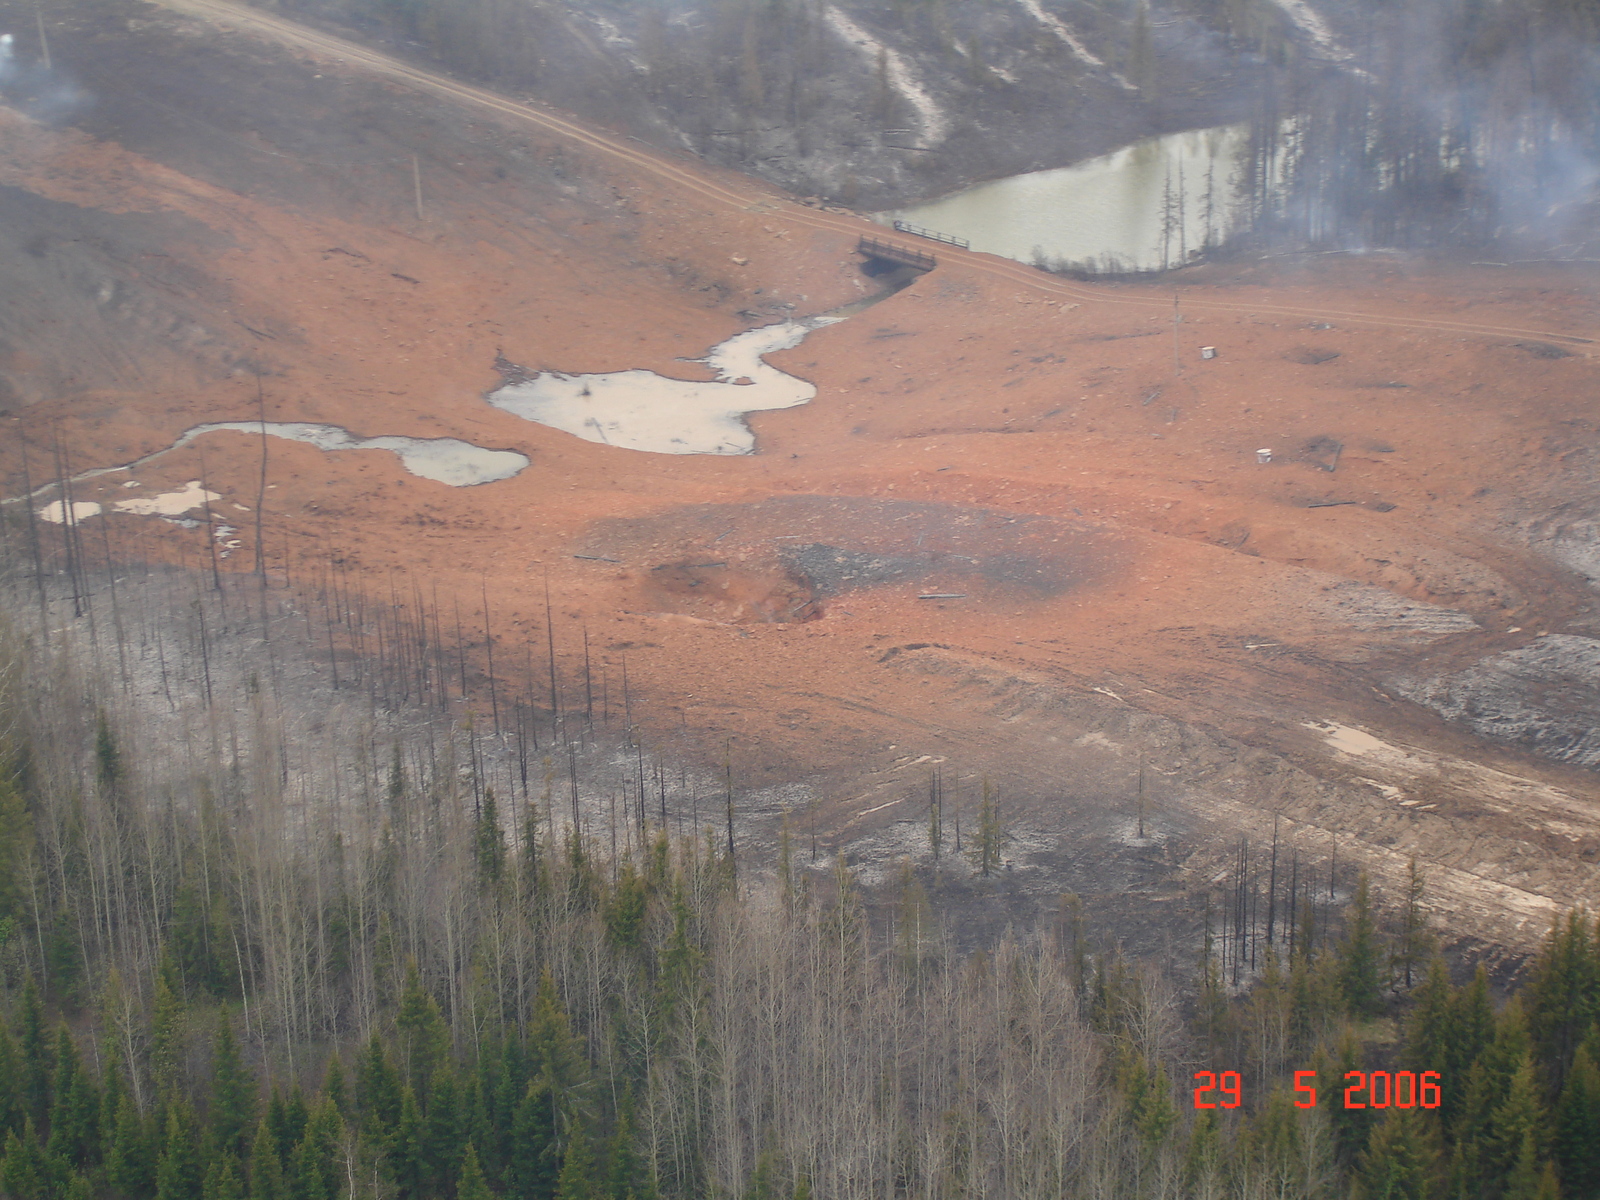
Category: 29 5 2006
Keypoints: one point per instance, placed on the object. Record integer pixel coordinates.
(1363, 1089)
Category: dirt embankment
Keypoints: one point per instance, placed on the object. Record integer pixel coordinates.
(1022, 532)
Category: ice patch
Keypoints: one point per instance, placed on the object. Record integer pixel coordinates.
(168, 504)
(640, 410)
(57, 513)
(444, 460)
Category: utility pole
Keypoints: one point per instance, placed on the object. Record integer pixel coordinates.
(44, 41)
(416, 184)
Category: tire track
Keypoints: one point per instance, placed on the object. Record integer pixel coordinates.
(695, 181)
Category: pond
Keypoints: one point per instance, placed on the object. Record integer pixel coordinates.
(1145, 207)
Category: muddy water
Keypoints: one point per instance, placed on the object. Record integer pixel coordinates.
(1144, 207)
(640, 410)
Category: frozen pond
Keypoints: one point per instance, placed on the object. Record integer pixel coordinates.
(1143, 207)
(640, 410)
(445, 460)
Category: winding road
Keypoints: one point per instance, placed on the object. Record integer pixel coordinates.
(748, 193)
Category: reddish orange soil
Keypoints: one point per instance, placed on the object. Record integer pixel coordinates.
(1133, 584)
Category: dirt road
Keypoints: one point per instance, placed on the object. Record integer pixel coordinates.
(1020, 534)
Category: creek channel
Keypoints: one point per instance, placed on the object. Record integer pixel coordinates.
(1146, 207)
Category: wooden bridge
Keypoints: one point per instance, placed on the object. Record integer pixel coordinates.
(933, 235)
(891, 252)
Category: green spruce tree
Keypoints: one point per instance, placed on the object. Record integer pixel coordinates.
(1360, 957)
(471, 1184)
(180, 1175)
(233, 1094)
(75, 1115)
(1577, 1126)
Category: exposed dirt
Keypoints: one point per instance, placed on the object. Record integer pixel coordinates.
(1021, 533)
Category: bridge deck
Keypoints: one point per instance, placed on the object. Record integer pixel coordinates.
(892, 252)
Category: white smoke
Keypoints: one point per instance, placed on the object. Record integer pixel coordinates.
(43, 93)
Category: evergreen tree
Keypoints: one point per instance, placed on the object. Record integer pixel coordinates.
(1202, 1155)
(628, 1175)
(442, 1133)
(333, 1087)
(1359, 957)
(12, 1105)
(1350, 1126)
(533, 1162)
(1517, 1131)
(34, 1046)
(1428, 1026)
(377, 1090)
(180, 1175)
(407, 1160)
(1399, 1161)
(986, 845)
(579, 1179)
(27, 1172)
(1523, 1179)
(1563, 995)
(424, 1037)
(1149, 1098)
(222, 1183)
(75, 1116)
(490, 843)
(1273, 1143)
(266, 1169)
(314, 1168)
(1472, 1031)
(1577, 1127)
(1415, 943)
(131, 1155)
(625, 908)
(168, 1029)
(471, 1185)
(287, 1118)
(555, 1054)
(233, 1094)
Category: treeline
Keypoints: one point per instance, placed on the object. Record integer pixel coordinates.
(204, 1001)
(1450, 123)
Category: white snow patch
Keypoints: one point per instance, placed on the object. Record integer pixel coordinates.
(57, 513)
(1349, 740)
(640, 410)
(1309, 23)
(444, 460)
(1070, 39)
(168, 504)
(934, 124)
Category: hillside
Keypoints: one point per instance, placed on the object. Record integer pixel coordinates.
(1020, 535)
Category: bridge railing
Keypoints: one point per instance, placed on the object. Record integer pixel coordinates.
(932, 235)
(889, 251)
